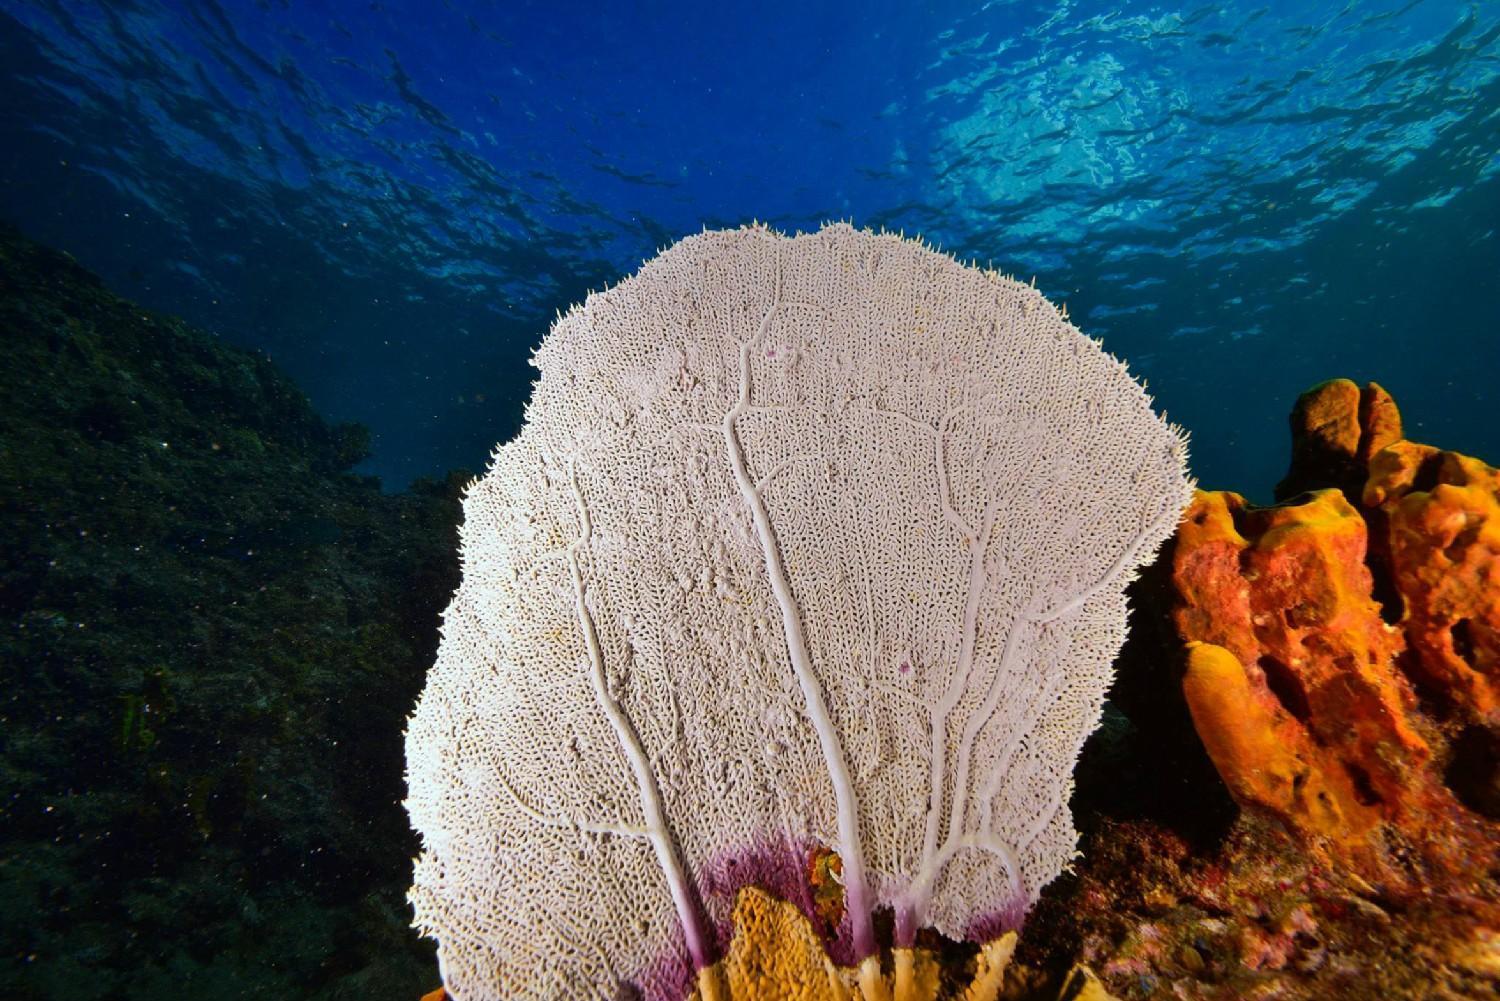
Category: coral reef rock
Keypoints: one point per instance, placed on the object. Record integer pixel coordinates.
(1304, 639)
(1294, 793)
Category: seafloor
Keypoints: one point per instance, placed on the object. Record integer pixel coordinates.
(217, 630)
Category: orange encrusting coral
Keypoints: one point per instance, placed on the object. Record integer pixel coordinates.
(1442, 516)
(1262, 752)
(1337, 427)
(1300, 683)
(1313, 724)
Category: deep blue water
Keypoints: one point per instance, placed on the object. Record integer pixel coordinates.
(393, 198)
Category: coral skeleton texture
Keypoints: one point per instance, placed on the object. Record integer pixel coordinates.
(811, 541)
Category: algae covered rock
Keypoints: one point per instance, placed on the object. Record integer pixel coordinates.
(215, 629)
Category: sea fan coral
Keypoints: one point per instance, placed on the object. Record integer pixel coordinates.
(806, 541)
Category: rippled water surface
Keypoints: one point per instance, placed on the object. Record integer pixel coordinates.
(393, 198)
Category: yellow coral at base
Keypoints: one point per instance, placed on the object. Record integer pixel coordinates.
(776, 955)
(994, 957)
(1083, 985)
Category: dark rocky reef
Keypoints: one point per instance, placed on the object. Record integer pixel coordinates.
(214, 633)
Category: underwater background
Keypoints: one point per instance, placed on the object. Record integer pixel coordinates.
(392, 199)
(270, 275)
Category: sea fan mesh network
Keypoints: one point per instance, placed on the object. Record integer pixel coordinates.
(812, 540)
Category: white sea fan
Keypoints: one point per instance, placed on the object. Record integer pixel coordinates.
(812, 540)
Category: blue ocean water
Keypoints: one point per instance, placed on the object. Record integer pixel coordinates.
(392, 198)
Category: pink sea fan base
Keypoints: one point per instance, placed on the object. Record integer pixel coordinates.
(776, 865)
(992, 924)
(779, 866)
